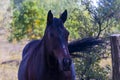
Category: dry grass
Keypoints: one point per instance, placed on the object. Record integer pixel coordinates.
(9, 66)
(8, 51)
(10, 56)
(8, 72)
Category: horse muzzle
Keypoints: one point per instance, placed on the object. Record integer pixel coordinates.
(66, 64)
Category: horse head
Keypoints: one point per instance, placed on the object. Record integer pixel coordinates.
(56, 42)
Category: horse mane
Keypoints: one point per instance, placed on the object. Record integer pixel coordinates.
(83, 44)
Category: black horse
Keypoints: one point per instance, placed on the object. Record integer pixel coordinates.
(48, 58)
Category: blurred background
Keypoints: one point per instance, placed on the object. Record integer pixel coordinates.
(25, 20)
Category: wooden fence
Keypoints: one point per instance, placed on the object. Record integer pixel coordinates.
(115, 54)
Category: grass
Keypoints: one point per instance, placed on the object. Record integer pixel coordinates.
(9, 67)
(8, 72)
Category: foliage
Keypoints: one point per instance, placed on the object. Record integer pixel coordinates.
(28, 22)
(87, 66)
(22, 18)
(93, 71)
(80, 24)
(97, 22)
(103, 16)
(84, 20)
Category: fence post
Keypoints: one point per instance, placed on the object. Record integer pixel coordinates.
(115, 54)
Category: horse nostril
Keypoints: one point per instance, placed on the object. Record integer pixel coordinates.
(67, 62)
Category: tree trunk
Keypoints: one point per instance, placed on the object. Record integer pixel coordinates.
(115, 54)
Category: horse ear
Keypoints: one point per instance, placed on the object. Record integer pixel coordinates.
(49, 17)
(63, 16)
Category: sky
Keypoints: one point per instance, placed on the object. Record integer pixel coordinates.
(95, 2)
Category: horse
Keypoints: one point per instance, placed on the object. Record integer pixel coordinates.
(48, 58)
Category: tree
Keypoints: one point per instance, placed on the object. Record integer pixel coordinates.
(103, 16)
(98, 23)
(40, 7)
(28, 22)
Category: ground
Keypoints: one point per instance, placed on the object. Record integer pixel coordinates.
(10, 56)
(10, 53)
